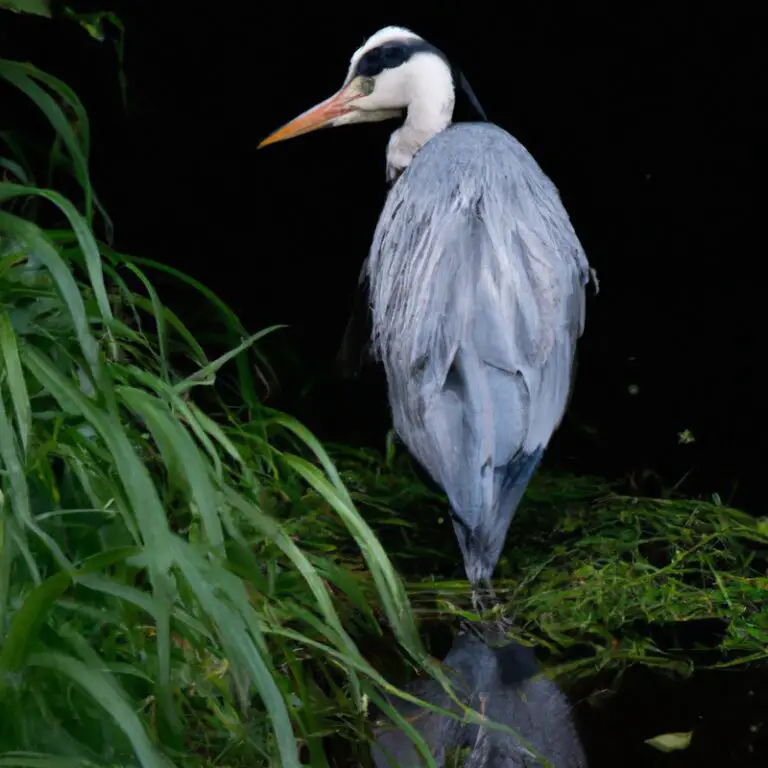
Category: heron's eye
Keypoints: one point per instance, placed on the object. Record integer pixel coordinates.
(370, 65)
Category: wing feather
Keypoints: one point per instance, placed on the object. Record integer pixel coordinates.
(476, 281)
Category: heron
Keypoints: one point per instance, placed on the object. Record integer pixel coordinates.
(475, 284)
(505, 682)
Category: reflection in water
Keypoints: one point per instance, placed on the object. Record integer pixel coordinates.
(500, 683)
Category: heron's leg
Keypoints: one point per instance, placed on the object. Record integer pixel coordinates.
(501, 620)
(474, 627)
(484, 598)
(491, 592)
(477, 601)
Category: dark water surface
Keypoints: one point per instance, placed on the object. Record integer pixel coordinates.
(727, 711)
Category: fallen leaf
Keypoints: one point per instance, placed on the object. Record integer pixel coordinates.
(670, 742)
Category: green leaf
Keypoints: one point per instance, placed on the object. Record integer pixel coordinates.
(160, 320)
(230, 319)
(80, 226)
(404, 725)
(107, 693)
(276, 533)
(235, 637)
(22, 634)
(39, 760)
(15, 168)
(135, 476)
(179, 450)
(35, 7)
(75, 133)
(387, 581)
(6, 560)
(671, 742)
(23, 76)
(13, 466)
(206, 375)
(10, 361)
(38, 244)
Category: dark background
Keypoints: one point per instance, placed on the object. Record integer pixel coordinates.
(649, 124)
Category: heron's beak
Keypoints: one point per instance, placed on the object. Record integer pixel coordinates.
(321, 115)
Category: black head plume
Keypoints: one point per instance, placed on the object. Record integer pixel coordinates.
(463, 85)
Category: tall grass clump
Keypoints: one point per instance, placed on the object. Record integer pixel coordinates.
(155, 607)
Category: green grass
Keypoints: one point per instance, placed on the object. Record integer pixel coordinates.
(153, 605)
(586, 571)
(188, 577)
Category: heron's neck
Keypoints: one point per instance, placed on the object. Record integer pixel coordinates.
(432, 97)
(430, 111)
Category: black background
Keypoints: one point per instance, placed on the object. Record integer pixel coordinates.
(650, 125)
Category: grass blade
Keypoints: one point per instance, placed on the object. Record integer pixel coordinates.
(135, 477)
(15, 379)
(390, 587)
(36, 7)
(27, 621)
(235, 638)
(179, 451)
(75, 135)
(106, 693)
(80, 227)
(160, 321)
(207, 373)
(33, 237)
(39, 760)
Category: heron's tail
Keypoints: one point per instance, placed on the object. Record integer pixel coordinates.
(481, 545)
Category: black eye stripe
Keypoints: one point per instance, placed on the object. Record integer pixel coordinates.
(390, 55)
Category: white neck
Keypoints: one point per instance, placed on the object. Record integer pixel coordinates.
(430, 110)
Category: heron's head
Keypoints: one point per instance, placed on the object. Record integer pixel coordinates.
(391, 71)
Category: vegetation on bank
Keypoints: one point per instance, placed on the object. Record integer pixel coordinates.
(189, 577)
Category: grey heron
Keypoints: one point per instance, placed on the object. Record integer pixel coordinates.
(476, 283)
(504, 684)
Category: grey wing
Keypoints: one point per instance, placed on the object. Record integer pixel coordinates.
(522, 346)
(505, 389)
(478, 299)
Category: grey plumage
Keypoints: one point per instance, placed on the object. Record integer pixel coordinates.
(503, 684)
(476, 282)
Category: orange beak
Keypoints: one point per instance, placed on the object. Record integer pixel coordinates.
(320, 116)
